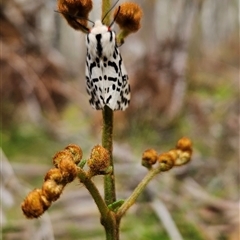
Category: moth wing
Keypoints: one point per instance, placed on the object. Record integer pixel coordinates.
(94, 82)
(116, 85)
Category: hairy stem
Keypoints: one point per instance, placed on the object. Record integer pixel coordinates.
(102, 207)
(110, 225)
(109, 180)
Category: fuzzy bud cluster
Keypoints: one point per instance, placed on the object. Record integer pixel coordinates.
(99, 161)
(128, 18)
(75, 12)
(178, 156)
(184, 151)
(65, 171)
(149, 158)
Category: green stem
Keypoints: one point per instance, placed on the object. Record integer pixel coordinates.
(138, 190)
(108, 218)
(110, 225)
(91, 187)
(109, 180)
(106, 5)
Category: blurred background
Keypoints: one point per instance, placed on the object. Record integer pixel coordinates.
(183, 66)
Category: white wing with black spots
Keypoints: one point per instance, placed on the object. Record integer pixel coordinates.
(106, 77)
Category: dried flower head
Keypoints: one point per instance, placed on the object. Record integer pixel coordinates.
(35, 204)
(128, 17)
(99, 160)
(75, 12)
(166, 161)
(149, 158)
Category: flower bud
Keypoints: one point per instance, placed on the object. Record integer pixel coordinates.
(184, 150)
(183, 157)
(76, 152)
(68, 170)
(35, 204)
(149, 158)
(99, 160)
(75, 12)
(184, 144)
(55, 175)
(174, 153)
(51, 190)
(64, 154)
(166, 161)
(129, 17)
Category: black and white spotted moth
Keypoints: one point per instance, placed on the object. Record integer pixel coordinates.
(106, 77)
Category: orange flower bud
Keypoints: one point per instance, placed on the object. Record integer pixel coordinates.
(76, 152)
(149, 158)
(174, 153)
(183, 157)
(184, 144)
(51, 190)
(68, 169)
(75, 12)
(35, 204)
(184, 150)
(166, 161)
(129, 16)
(55, 175)
(64, 154)
(99, 160)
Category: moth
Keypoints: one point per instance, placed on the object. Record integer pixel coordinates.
(106, 77)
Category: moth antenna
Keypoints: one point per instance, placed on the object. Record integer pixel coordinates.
(115, 17)
(109, 10)
(74, 19)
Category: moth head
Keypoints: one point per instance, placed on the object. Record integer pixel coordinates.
(99, 28)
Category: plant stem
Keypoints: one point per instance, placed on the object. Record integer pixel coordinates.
(102, 207)
(109, 179)
(110, 225)
(106, 5)
(108, 218)
(138, 190)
